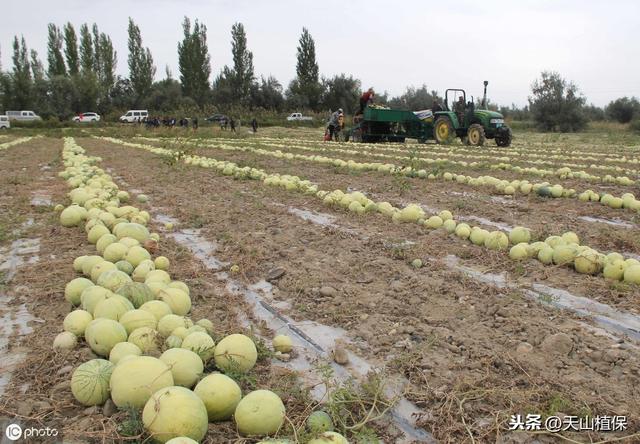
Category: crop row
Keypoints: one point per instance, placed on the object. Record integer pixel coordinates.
(438, 163)
(134, 314)
(454, 152)
(499, 186)
(558, 250)
(5, 145)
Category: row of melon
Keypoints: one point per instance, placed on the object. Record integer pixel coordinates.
(501, 186)
(358, 203)
(507, 154)
(565, 172)
(9, 144)
(131, 311)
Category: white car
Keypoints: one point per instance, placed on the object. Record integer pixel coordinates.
(24, 116)
(298, 117)
(87, 117)
(134, 116)
(4, 123)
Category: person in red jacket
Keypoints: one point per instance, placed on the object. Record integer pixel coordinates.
(365, 99)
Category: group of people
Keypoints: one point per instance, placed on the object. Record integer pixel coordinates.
(170, 122)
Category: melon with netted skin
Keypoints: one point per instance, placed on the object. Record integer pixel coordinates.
(90, 382)
(147, 338)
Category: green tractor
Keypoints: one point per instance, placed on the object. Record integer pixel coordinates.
(472, 125)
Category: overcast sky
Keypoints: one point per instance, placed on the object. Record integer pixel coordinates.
(386, 44)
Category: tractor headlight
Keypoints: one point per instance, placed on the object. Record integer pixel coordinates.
(494, 121)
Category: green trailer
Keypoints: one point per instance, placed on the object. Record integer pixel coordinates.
(473, 126)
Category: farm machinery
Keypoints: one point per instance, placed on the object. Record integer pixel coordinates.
(473, 126)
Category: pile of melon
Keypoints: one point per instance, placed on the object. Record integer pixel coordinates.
(132, 314)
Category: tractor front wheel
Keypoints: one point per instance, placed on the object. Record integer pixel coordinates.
(443, 130)
(503, 138)
(475, 135)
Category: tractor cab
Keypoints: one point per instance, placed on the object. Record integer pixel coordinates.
(460, 118)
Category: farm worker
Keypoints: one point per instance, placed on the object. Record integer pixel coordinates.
(254, 125)
(436, 107)
(460, 109)
(334, 123)
(195, 123)
(233, 125)
(365, 99)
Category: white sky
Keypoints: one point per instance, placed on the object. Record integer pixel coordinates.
(387, 44)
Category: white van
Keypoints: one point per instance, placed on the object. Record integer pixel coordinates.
(135, 115)
(4, 123)
(24, 116)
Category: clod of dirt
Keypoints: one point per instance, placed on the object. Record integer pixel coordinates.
(64, 370)
(327, 291)
(284, 357)
(24, 408)
(109, 408)
(274, 274)
(524, 348)
(559, 343)
(340, 355)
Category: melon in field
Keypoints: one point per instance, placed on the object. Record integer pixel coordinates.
(134, 319)
(282, 343)
(173, 341)
(167, 324)
(445, 215)
(140, 272)
(103, 334)
(89, 262)
(587, 262)
(112, 307)
(93, 295)
(158, 309)
(123, 349)
(259, 413)
(519, 252)
(173, 412)
(434, 222)
(147, 339)
(135, 231)
(237, 352)
(71, 216)
(113, 279)
(77, 263)
(158, 275)
(329, 438)
(564, 254)
(496, 240)
(74, 288)
(632, 274)
(101, 267)
(200, 343)
(115, 252)
(463, 231)
(545, 255)
(179, 285)
(220, 395)
(181, 440)
(614, 270)
(76, 322)
(104, 242)
(319, 422)
(206, 324)
(449, 225)
(186, 366)
(134, 381)
(125, 267)
(65, 341)
(519, 234)
(176, 299)
(90, 382)
(136, 292)
(96, 233)
(136, 254)
(571, 238)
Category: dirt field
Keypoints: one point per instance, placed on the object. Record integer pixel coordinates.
(478, 337)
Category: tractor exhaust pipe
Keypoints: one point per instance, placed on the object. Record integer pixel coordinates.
(484, 98)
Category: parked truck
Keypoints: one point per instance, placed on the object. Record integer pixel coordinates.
(23, 116)
(298, 117)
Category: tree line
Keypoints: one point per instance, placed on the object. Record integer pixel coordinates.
(80, 76)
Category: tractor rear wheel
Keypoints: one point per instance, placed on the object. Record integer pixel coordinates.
(443, 130)
(503, 138)
(475, 135)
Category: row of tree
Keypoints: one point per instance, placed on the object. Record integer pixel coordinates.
(81, 76)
